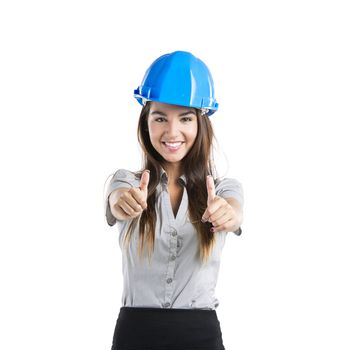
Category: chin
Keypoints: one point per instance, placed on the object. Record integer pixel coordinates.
(173, 160)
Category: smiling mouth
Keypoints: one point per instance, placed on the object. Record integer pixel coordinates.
(173, 145)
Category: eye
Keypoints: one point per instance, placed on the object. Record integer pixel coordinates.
(160, 118)
(187, 119)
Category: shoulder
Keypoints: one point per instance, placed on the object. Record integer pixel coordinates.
(126, 176)
(226, 182)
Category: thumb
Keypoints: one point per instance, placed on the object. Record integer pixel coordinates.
(144, 180)
(210, 188)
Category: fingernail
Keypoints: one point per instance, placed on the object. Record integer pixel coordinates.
(204, 220)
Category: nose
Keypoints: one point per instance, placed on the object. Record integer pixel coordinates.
(172, 128)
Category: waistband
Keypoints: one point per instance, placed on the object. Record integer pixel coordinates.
(167, 315)
(131, 309)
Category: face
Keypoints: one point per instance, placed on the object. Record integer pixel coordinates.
(172, 130)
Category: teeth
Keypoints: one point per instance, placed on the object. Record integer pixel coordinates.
(173, 144)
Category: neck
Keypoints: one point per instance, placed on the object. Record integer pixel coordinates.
(174, 171)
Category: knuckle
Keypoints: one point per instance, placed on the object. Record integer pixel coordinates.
(117, 206)
(132, 190)
(125, 195)
(126, 210)
(135, 191)
(121, 199)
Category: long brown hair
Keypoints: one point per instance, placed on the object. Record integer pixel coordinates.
(196, 165)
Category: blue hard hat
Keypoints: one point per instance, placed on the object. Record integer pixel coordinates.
(178, 78)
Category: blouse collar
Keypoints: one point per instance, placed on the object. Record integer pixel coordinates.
(164, 177)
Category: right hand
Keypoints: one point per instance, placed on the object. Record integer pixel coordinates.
(133, 202)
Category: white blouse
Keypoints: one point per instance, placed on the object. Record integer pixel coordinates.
(175, 276)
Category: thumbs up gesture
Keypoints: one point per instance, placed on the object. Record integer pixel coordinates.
(132, 202)
(219, 212)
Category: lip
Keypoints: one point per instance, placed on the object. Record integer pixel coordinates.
(172, 149)
(172, 141)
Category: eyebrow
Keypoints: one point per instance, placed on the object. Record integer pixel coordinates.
(180, 115)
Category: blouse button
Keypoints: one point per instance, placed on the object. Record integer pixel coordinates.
(173, 257)
(166, 304)
(169, 280)
(174, 233)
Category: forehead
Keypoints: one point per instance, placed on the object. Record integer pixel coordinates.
(169, 109)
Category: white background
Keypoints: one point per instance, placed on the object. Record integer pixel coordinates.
(68, 120)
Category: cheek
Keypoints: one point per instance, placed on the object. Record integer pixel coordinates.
(154, 132)
(192, 134)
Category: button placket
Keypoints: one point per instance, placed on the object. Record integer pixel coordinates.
(169, 278)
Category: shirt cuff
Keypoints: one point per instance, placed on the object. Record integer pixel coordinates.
(238, 232)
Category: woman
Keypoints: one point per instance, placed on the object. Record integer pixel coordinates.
(173, 211)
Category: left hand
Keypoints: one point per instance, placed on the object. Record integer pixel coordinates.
(219, 212)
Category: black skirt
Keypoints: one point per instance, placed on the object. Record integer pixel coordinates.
(167, 329)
